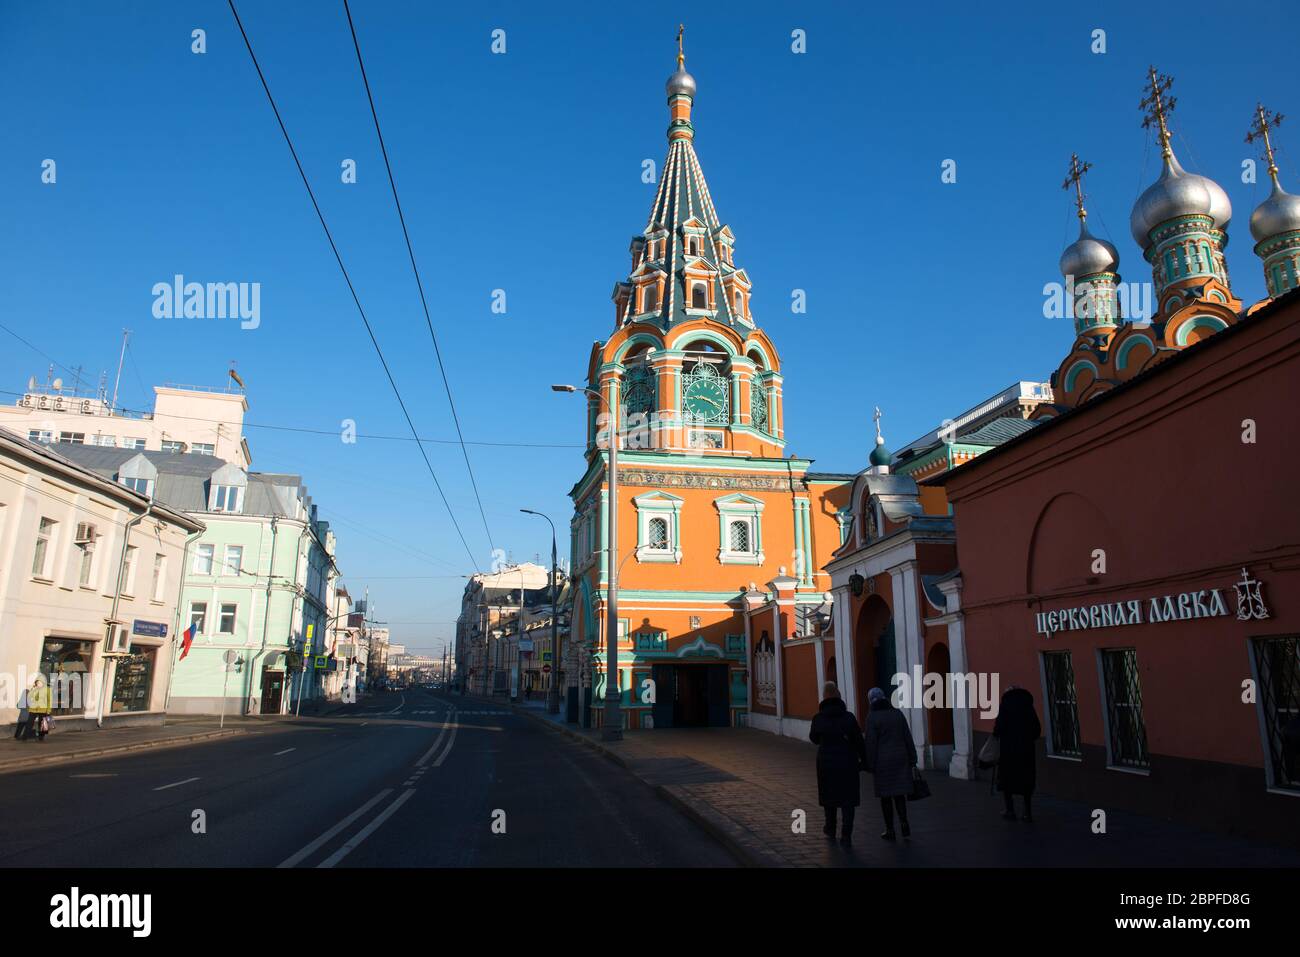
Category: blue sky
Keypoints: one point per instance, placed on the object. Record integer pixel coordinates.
(522, 172)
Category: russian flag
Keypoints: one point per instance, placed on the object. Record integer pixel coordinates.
(187, 639)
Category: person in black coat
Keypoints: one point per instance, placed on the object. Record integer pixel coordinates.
(891, 756)
(1016, 729)
(840, 757)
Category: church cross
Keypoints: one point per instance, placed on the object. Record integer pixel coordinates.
(1265, 122)
(1075, 179)
(1157, 105)
(681, 57)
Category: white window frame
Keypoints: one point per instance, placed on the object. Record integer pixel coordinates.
(203, 448)
(132, 483)
(43, 436)
(42, 573)
(159, 577)
(128, 571)
(202, 615)
(226, 568)
(658, 504)
(740, 508)
(133, 443)
(73, 438)
(211, 555)
(172, 445)
(86, 565)
(227, 492)
(221, 617)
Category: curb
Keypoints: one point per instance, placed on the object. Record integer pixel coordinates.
(740, 842)
(38, 761)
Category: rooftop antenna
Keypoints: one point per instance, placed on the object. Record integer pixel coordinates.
(126, 334)
(31, 383)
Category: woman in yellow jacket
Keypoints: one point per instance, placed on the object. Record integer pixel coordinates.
(39, 702)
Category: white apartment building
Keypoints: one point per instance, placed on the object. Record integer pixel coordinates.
(90, 579)
(184, 419)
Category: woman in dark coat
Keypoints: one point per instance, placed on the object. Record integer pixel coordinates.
(840, 757)
(891, 756)
(1016, 729)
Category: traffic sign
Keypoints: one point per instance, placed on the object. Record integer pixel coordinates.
(546, 669)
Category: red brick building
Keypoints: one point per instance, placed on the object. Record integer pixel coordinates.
(1135, 562)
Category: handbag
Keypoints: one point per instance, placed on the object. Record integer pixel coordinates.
(920, 786)
(991, 753)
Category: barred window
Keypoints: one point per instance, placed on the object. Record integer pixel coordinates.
(738, 536)
(1062, 704)
(657, 534)
(1277, 663)
(1128, 733)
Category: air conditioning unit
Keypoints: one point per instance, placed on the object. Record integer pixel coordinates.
(85, 533)
(119, 641)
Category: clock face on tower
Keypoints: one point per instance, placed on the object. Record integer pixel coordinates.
(705, 397)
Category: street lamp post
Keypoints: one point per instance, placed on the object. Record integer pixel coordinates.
(612, 729)
(553, 695)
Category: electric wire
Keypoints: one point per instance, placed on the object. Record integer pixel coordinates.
(348, 279)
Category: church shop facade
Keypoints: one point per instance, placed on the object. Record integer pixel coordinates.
(1135, 562)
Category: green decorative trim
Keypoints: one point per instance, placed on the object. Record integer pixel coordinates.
(676, 595)
(1198, 322)
(715, 337)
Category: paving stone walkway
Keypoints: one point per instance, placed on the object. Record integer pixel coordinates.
(748, 785)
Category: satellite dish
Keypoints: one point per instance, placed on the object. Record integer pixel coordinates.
(31, 383)
(57, 383)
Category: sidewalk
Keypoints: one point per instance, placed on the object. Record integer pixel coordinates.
(64, 746)
(744, 787)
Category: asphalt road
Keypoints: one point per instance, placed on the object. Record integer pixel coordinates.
(415, 779)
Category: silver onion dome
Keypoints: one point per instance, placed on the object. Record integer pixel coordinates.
(681, 82)
(1088, 255)
(1178, 193)
(1278, 214)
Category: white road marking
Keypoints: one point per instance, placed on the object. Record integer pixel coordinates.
(113, 775)
(366, 831)
(315, 845)
(437, 741)
(399, 706)
(175, 784)
(446, 751)
(285, 751)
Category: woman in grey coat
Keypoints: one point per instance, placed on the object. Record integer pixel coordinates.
(891, 756)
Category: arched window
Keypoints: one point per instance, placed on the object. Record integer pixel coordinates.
(650, 298)
(699, 296)
(657, 534)
(640, 396)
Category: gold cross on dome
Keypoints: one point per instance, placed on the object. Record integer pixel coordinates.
(1265, 122)
(1157, 105)
(1075, 179)
(681, 57)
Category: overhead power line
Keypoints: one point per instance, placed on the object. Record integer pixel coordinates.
(348, 279)
(334, 433)
(419, 284)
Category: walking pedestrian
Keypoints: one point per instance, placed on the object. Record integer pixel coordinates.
(24, 716)
(891, 756)
(1016, 729)
(841, 755)
(38, 710)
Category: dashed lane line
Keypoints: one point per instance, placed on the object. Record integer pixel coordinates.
(175, 784)
(285, 751)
